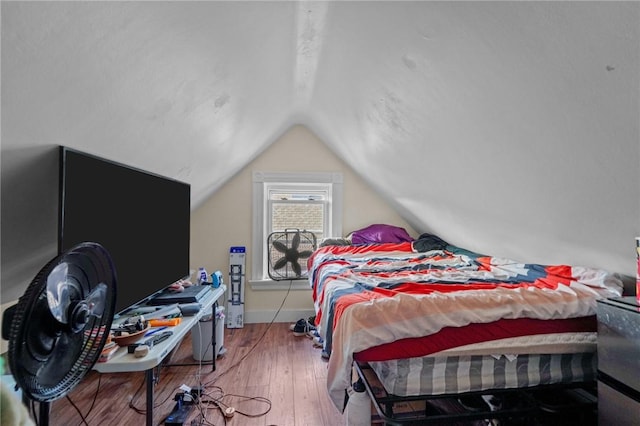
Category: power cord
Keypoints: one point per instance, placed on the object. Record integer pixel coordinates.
(133, 398)
(84, 420)
(136, 395)
(200, 362)
(218, 402)
(132, 402)
(244, 399)
(93, 402)
(250, 351)
(227, 410)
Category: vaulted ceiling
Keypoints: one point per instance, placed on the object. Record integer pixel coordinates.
(480, 121)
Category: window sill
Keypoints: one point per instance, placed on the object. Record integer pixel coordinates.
(265, 285)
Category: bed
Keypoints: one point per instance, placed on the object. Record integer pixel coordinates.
(430, 318)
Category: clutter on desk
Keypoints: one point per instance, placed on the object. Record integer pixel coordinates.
(141, 351)
(167, 321)
(202, 276)
(168, 311)
(130, 325)
(108, 351)
(129, 331)
(150, 341)
(189, 309)
(124, 338)
(216, 279)
(180, 285)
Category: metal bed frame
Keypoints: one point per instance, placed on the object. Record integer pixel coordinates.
(557, 404)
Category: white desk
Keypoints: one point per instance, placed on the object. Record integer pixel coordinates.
(123, 362)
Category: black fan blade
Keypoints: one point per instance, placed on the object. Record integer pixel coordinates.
(280, 263)
(97, 299)
(296, 268)
(279, 246)
(67, 350)
(295, 243)
(58, 292)
(304, 254)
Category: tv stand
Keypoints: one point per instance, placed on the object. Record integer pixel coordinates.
(123, 362)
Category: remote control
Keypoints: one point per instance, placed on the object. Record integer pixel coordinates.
(151, 341)
(158, 337)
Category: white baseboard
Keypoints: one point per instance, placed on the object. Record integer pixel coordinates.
(251, 317)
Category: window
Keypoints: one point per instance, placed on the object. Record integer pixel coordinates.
(281, 201)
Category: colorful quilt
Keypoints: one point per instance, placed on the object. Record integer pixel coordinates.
(374, 294)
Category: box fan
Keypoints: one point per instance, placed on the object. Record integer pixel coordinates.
(287, 254)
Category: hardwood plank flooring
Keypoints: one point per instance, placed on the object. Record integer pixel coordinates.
(268, 375)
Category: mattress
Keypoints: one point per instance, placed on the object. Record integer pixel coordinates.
(553, 343)
(436, 375)
(529, 335)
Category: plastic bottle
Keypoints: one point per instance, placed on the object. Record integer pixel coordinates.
(202, 275)
(216, 279)
(359, 406)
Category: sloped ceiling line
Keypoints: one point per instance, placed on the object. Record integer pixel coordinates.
(310, 28)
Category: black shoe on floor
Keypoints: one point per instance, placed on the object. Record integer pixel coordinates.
(302, 328)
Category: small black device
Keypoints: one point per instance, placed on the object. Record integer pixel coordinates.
(189, 309)
(180, 412)
(191, 294)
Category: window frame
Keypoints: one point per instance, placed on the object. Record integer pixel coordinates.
(261, 182)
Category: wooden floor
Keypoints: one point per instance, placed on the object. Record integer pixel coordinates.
(268, 375)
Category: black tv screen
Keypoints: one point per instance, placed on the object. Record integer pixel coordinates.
(142, 219)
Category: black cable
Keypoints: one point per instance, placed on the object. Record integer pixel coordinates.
(251, 398)
(202, 417)
(155, 379)
(78, 410)
(218, 402)
(258, 341)
(95, 397)
(144, 411)
(135, 395)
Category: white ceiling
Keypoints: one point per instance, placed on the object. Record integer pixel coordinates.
(498, 125)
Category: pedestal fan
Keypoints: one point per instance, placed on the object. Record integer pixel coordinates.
(59, 326)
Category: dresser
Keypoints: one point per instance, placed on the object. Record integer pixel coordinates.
(619, 361)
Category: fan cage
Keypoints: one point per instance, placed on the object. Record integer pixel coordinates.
(305, 246)
(26, 365)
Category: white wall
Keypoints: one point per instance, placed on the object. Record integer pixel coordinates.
(507, 127)
(224, 220)
(511, 128)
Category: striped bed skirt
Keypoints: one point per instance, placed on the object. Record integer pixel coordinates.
(436, 375)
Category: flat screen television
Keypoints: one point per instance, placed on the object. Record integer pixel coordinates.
(142, 219)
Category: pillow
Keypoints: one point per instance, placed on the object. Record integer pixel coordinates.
(380, 233)
(335, 242)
